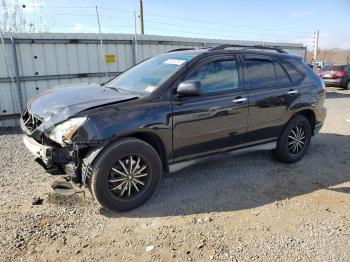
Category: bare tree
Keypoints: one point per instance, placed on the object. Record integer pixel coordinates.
(13, 19)
(334, 56)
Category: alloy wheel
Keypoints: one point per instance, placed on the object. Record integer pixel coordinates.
(128, 177)
(296, 140)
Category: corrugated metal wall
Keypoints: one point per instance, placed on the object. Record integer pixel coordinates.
(50, 59)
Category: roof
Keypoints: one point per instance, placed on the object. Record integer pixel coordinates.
(232, 49)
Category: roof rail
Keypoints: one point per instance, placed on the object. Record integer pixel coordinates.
(181, 49)
(224, 46)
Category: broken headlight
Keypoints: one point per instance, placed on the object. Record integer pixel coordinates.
(64, 132)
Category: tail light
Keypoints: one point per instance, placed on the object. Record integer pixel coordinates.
(340, 73)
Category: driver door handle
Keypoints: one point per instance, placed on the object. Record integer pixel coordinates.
(239, 100)
(292, 92)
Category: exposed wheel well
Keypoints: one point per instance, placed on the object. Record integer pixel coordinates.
(310, 115)
(156, 143)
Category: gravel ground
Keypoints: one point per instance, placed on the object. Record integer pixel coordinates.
(240, 208)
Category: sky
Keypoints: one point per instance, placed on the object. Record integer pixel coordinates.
(269, 20)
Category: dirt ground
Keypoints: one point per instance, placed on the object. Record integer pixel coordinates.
(236, 208)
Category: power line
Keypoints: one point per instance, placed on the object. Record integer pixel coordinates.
(228, 28)
(166, 16)
(73, 7)
(227, 37)
(215, 29)
(219, 23)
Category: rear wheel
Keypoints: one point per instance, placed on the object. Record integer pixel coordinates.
(125, 175)
(294, 141)
(347, 86)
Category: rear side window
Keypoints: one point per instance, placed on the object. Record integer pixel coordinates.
(281, 74)
(260, 72)
(293, 74)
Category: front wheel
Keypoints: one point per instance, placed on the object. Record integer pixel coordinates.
(125, 174)
(294, 141)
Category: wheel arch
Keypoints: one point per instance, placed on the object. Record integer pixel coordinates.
(309, 114)
(150, 138)
(155, 141)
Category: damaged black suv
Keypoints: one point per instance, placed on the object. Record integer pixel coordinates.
(118, 138)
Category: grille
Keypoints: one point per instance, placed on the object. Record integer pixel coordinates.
(30, 121)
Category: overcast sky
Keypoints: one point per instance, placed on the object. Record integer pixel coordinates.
(283, 21)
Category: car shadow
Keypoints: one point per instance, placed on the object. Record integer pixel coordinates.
(341, 189)
(338, 94)
(246, 181)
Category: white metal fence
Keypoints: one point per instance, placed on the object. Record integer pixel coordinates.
(31, 63)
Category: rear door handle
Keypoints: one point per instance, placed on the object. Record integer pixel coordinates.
(214, 108)
(292, 92)
(239, 100)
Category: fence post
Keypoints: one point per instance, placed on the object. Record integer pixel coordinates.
(305, 54)
(15, 64)
(134, 49)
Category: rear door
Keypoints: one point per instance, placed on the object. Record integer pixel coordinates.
(215, 121)
(272, 93)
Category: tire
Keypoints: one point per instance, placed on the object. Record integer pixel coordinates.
(347, 85)
(105, 181)
(286, 146)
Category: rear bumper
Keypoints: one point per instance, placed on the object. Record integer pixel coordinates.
(333, 82)
(320, 115)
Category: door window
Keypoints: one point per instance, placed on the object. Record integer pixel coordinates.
(260, 72)
(293, 74)
(281, 74)
(216, 76)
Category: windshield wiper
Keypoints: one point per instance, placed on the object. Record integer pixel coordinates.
(121, 90)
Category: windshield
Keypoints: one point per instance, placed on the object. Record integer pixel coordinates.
(148, 75)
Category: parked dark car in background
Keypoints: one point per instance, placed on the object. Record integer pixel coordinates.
(336, 75)
(117, 139)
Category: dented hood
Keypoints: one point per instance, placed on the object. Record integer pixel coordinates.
(64, 101)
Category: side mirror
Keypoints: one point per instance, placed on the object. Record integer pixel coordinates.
(189, 88)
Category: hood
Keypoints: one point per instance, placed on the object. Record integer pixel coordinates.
(64, 101)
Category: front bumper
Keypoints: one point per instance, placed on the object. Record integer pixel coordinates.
(55, 161)
(41, 151)
(46, 157)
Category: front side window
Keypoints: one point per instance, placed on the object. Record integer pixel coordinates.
(216, 76)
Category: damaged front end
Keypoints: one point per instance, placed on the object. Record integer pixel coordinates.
(59, 131)
(55, 150)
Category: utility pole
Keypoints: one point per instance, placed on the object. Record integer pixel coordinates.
(141, 17)
(101, 43)
(315, 41)
(135, 39)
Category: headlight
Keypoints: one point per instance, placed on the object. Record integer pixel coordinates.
(63, 132)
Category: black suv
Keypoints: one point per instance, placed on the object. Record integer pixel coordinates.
(336, 75)
(118, 138)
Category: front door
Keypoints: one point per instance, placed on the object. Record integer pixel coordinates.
(215, 121)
